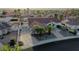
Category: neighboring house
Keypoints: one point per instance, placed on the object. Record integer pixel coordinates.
(42, 20)
(4, 28)
(25, 22)
(14, 24)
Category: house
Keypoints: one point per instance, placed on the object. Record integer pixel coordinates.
(43, 21)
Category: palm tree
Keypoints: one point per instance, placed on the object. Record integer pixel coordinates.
(61, 17)
(15, 12)
(4, 12)
(56, 16)
(49, 28)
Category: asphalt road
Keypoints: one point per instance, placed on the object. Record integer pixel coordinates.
(65, 45)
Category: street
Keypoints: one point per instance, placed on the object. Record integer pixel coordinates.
(64, 45)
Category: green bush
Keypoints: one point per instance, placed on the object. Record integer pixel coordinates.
(20, 43)
(8, 48)
(40, 29)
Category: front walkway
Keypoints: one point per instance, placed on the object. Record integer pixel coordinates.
(57, 34)
(26, 39)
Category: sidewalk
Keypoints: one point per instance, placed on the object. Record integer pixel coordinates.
(27, 40)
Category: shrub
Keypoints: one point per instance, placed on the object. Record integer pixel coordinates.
(8, 48)
(20, 43)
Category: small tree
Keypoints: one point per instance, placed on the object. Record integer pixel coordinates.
(56, 16)
(49, 28)
(61, 17)
(4, 13)
(12, 43)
